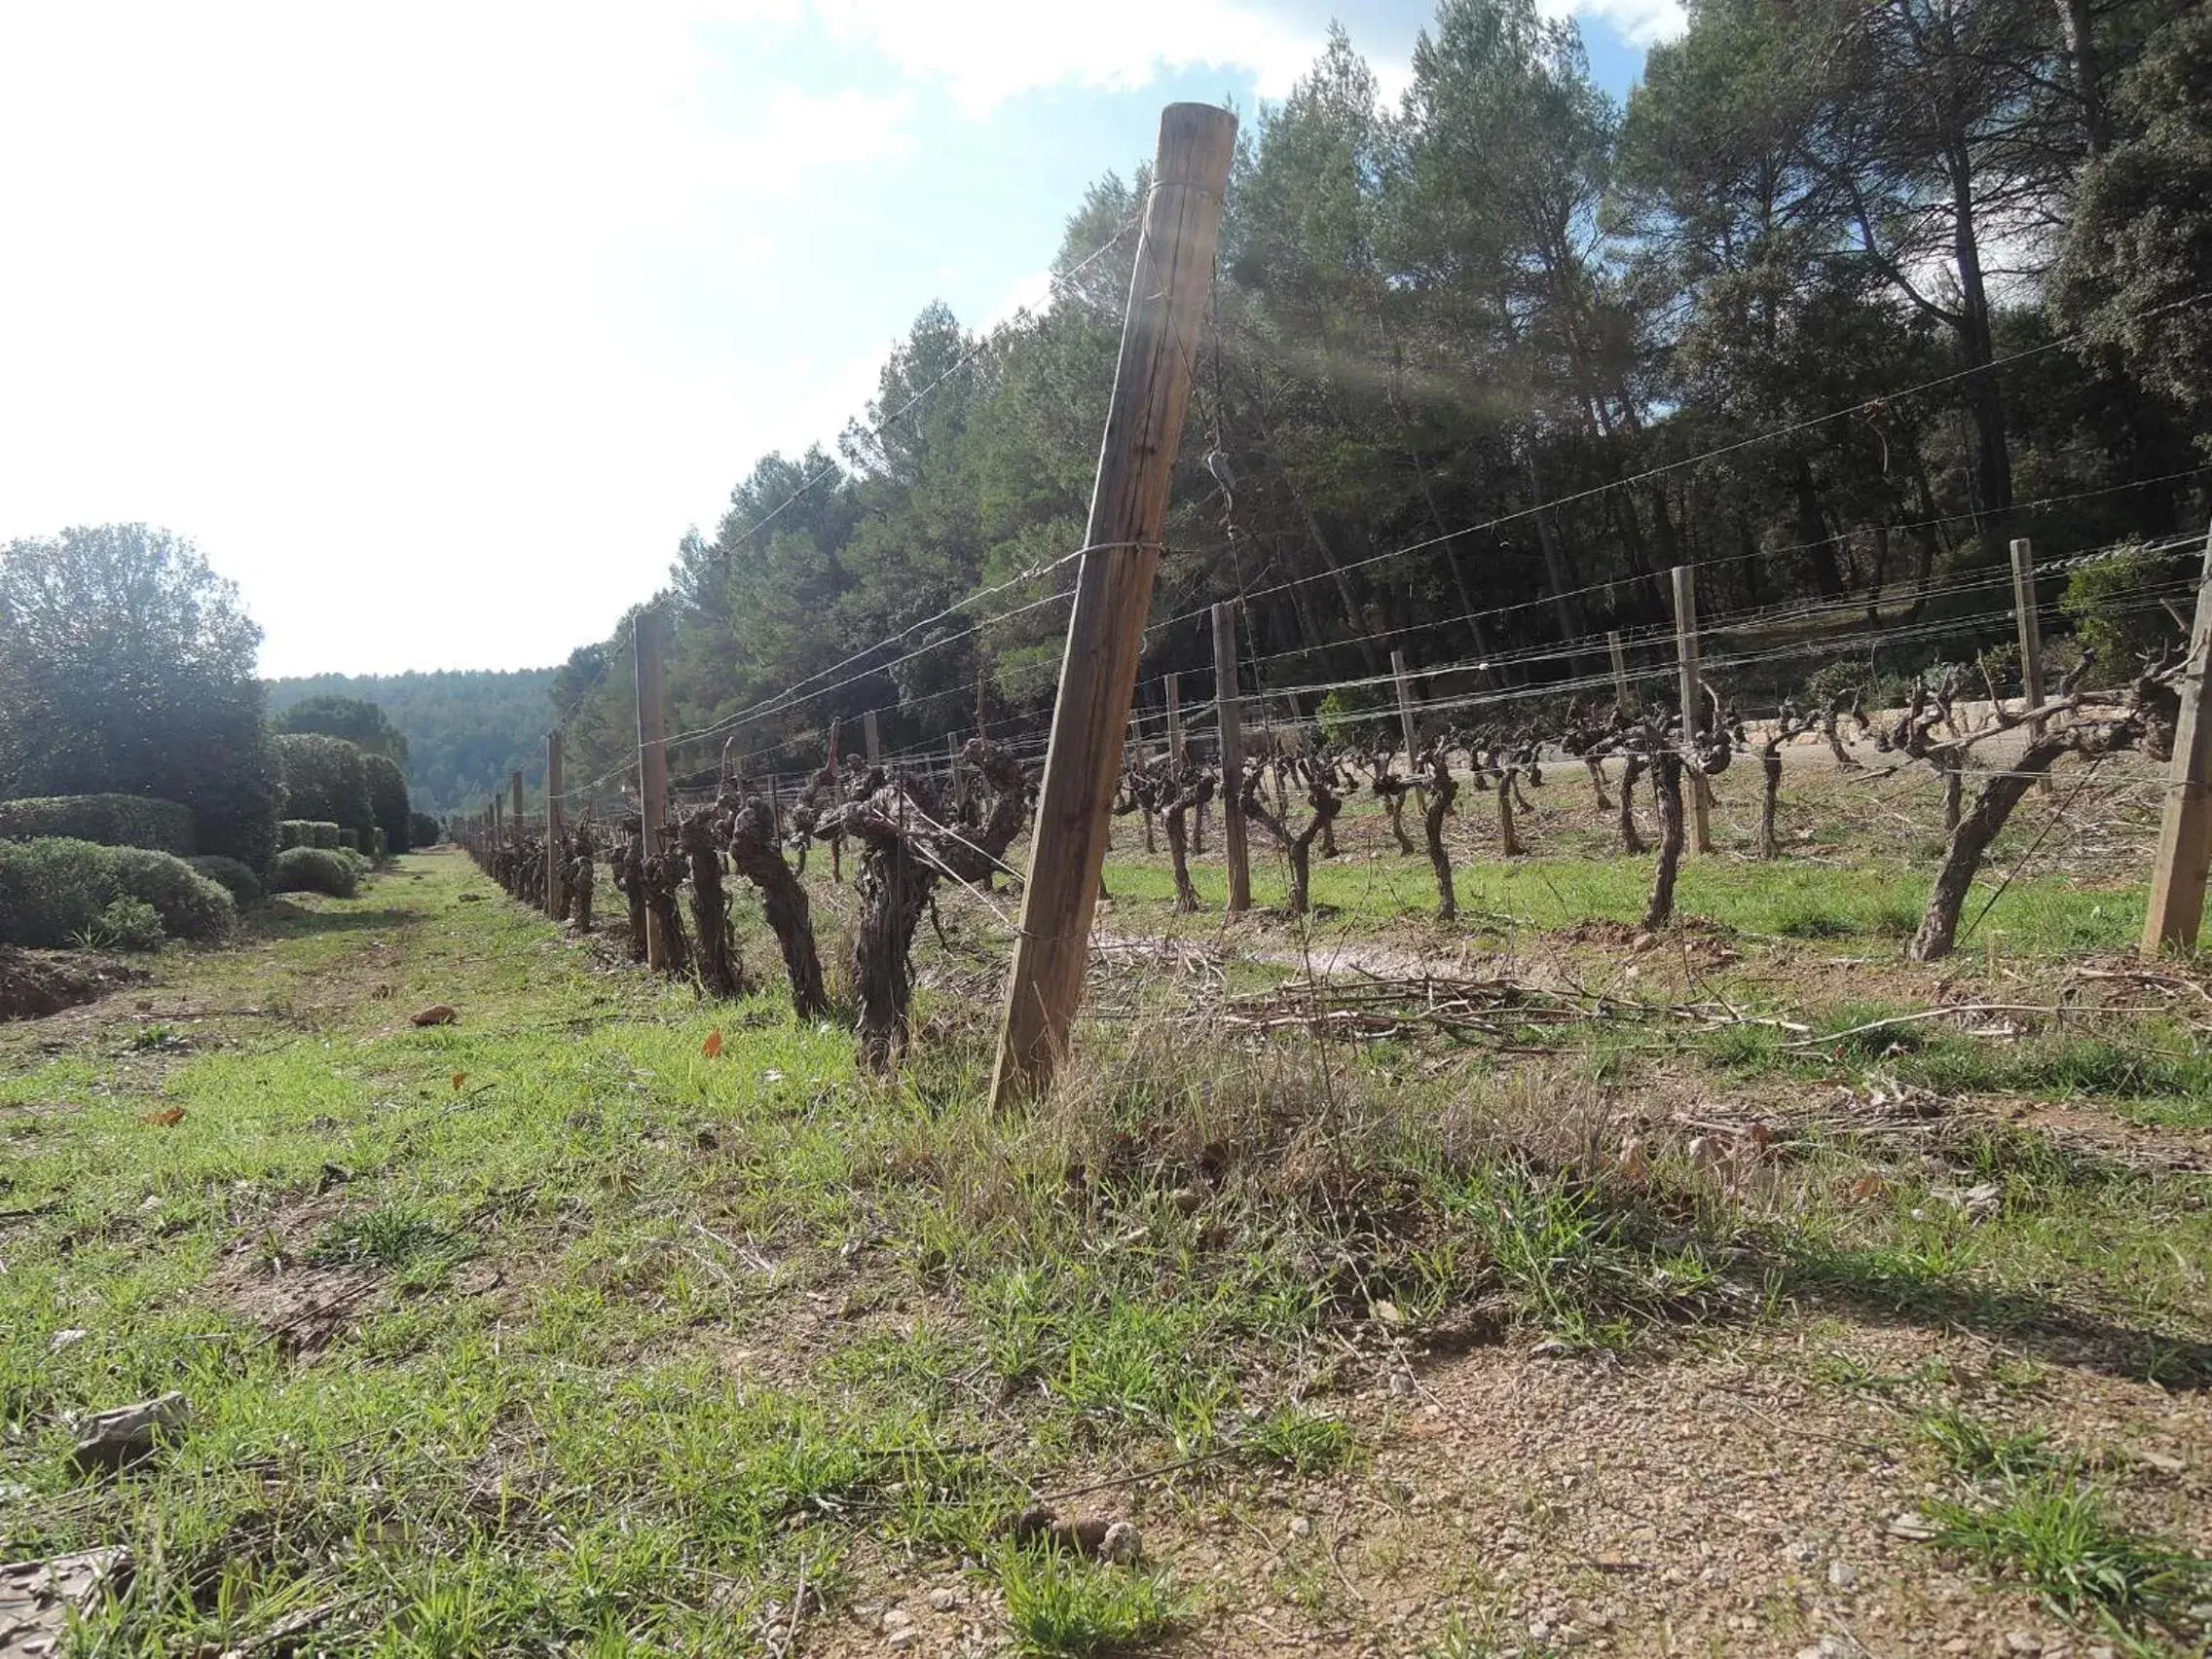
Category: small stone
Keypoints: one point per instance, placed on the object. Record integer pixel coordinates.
(906, 1636)
(944, 1601)
(128, 1434)
(1804, 1554)
(1121, 1544)
(1401, 1383)
(1912, 1525)
(2022, 1641)
(1301, 1527)
(897, 1618)
(1842, 1575)
(66, 1339)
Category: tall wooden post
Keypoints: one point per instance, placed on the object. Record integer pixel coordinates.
(871, 745)
(514, 827)
(1129, 512)
(1175, 718)
(2185, 831)
(1620, 672)
(1692, 690)
(2031, 637)
(556, 867)
(1405, 706)
(1229, 710)
(652, 758)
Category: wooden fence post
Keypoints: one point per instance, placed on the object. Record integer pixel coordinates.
(652, 758)
(1405, 706)
(2185, 830)
(1692, 690)
(1175, 718)
(2031, 637)
(514, 829)
(1229, 713)
(1620, 673)
(1128, 511)
(556, 867)
(871, 744)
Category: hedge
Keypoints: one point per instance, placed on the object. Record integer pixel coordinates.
(422, 830)
(306, 832)
(243, 886)
(111, 820)
(312, 869)
(388, 794)
(348, 839)
(55, 890)
(325, 777)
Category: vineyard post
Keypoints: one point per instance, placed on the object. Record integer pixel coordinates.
(514, 829)
(555, 882)
(872, 741)
(1405, 706)
(1620, 671)
(1692, 689)
(1230, 713)
(2031, 637)
(2185, 831)
(1175, 718)
(653, 759)
(1113, 591)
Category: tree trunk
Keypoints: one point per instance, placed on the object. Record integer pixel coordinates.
(1442, 787)
(1970, 841)
(1178, 850)
(749, 832)
(721, 972)
(1667, 788)
(1632, 768)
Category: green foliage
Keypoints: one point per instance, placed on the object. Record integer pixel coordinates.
(235, 878)
(360, 723)
(306, 832)
(326, 779)
(55, 891)
(387, 797)
(1060, 1608)
(2105, 601)
(312, 869)
(463, 732)
(126, 924)
(422, 830)
(111, 820)
(127, 666)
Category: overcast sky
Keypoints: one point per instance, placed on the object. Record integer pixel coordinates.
(436, 326)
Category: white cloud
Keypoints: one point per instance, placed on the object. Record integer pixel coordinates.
(986, 52)
(1639, 22)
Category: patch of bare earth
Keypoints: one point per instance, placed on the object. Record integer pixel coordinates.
(35, 983)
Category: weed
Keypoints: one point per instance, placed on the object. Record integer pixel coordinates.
(2057, 1535)
(1062, 1608)
(1306, 1440)
(393, 1236)
(1979, 1452)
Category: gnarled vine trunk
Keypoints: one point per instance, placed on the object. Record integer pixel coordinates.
(1666, 790)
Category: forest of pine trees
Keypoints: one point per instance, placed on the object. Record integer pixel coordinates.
(1845, 297)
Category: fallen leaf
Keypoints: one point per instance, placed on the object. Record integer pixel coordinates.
(167, 1120)
(459, 1078)
(1869, 1187)
(713, 1043)
(437, 1014)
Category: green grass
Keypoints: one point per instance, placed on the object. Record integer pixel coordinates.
(2057, 1535)
(1061, 1608)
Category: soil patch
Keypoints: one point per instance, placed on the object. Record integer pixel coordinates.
(34, 983)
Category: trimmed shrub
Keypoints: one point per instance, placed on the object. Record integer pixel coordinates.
(380, 844)
(422, 830)
(388, 794)
(128, 924)
(312, 869)
(56, 890)
(348, 839)
(325, 777)
(241, 883)
(191, 905)
(111, 820)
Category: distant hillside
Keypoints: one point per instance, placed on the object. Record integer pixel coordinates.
(466, 730)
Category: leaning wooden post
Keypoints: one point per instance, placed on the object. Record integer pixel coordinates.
(871, 745)
(2185, 831)
(653, 759)
(556, 867)
(1620, 671)
(1405, 706)
(514, 812)
(1692, 690)
(2031, 637)
(1229, 712)
(1129, 512)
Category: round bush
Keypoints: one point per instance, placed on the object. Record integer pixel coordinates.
(111, 820)
(235, 878)
(422, 830)
(55, 891)
(191, 905)
(128, 924)
(312, 869)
